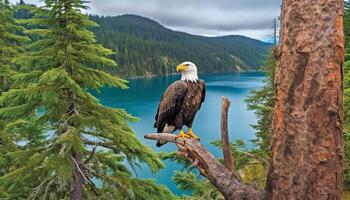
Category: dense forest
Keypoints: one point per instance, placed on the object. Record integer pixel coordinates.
(144, 47)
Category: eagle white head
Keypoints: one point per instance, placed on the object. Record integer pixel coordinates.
(188, 71)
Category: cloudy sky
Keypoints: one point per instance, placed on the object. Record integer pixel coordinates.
(252, 18)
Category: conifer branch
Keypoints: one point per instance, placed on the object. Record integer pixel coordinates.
(93, 187)
(101, 144)
(262, 160)
(39, 187)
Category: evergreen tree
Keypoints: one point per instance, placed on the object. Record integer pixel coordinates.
(347, 96)
(10, 48)
(10, 43)
(81, 146)
(261, 101)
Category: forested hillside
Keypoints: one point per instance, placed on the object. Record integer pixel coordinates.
(144, 47)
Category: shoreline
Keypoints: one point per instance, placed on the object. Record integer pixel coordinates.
(172, 74)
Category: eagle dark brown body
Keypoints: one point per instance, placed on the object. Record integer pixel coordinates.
(179, 105)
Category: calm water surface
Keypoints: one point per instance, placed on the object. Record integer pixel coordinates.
(142, 99)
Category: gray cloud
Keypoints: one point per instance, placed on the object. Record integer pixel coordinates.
(205, 17)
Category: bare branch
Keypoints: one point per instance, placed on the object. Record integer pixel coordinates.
(78, 167)
(88, 180)
(92, 153)
(225, 180)
(225, 139)
(165, 137)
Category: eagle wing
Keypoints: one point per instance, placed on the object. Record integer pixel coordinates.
(203, 91)
(170, 104)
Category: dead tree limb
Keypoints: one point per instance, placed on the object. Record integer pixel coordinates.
(224, 179)
(225, 139)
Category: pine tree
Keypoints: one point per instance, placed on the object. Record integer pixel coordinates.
(261, 101)
(10, 48)
(347, 96)
(10, 43)
(79, 142)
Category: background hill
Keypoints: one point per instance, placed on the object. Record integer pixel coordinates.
(144, 47)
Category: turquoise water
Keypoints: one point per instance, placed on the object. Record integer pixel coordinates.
(142, 99)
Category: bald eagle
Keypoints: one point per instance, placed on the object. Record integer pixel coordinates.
(180, 102)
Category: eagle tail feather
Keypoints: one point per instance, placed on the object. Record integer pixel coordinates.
(167, 129)
(160, 143)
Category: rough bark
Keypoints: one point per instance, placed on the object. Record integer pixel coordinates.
(307, 147)
(224, 179)
(226, 148)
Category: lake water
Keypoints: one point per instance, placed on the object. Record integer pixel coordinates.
(142, 99)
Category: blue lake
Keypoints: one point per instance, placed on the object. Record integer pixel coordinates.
(142, 98)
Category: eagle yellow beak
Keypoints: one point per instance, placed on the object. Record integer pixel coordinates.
(181, 68)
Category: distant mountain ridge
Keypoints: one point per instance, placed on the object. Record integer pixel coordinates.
(144, 47)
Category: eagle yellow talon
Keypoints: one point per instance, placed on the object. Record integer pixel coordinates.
(182, 135)
(192, 135)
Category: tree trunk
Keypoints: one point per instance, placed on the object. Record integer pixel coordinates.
(307, 147)
(77, 192)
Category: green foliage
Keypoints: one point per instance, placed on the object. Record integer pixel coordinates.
(201, 188)
(59, 130)
(347, 95)
(144, 47)
(188, 181)
(238, 149)
(10, 43)
(251, 164)
(261, 101)
(10, 48)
